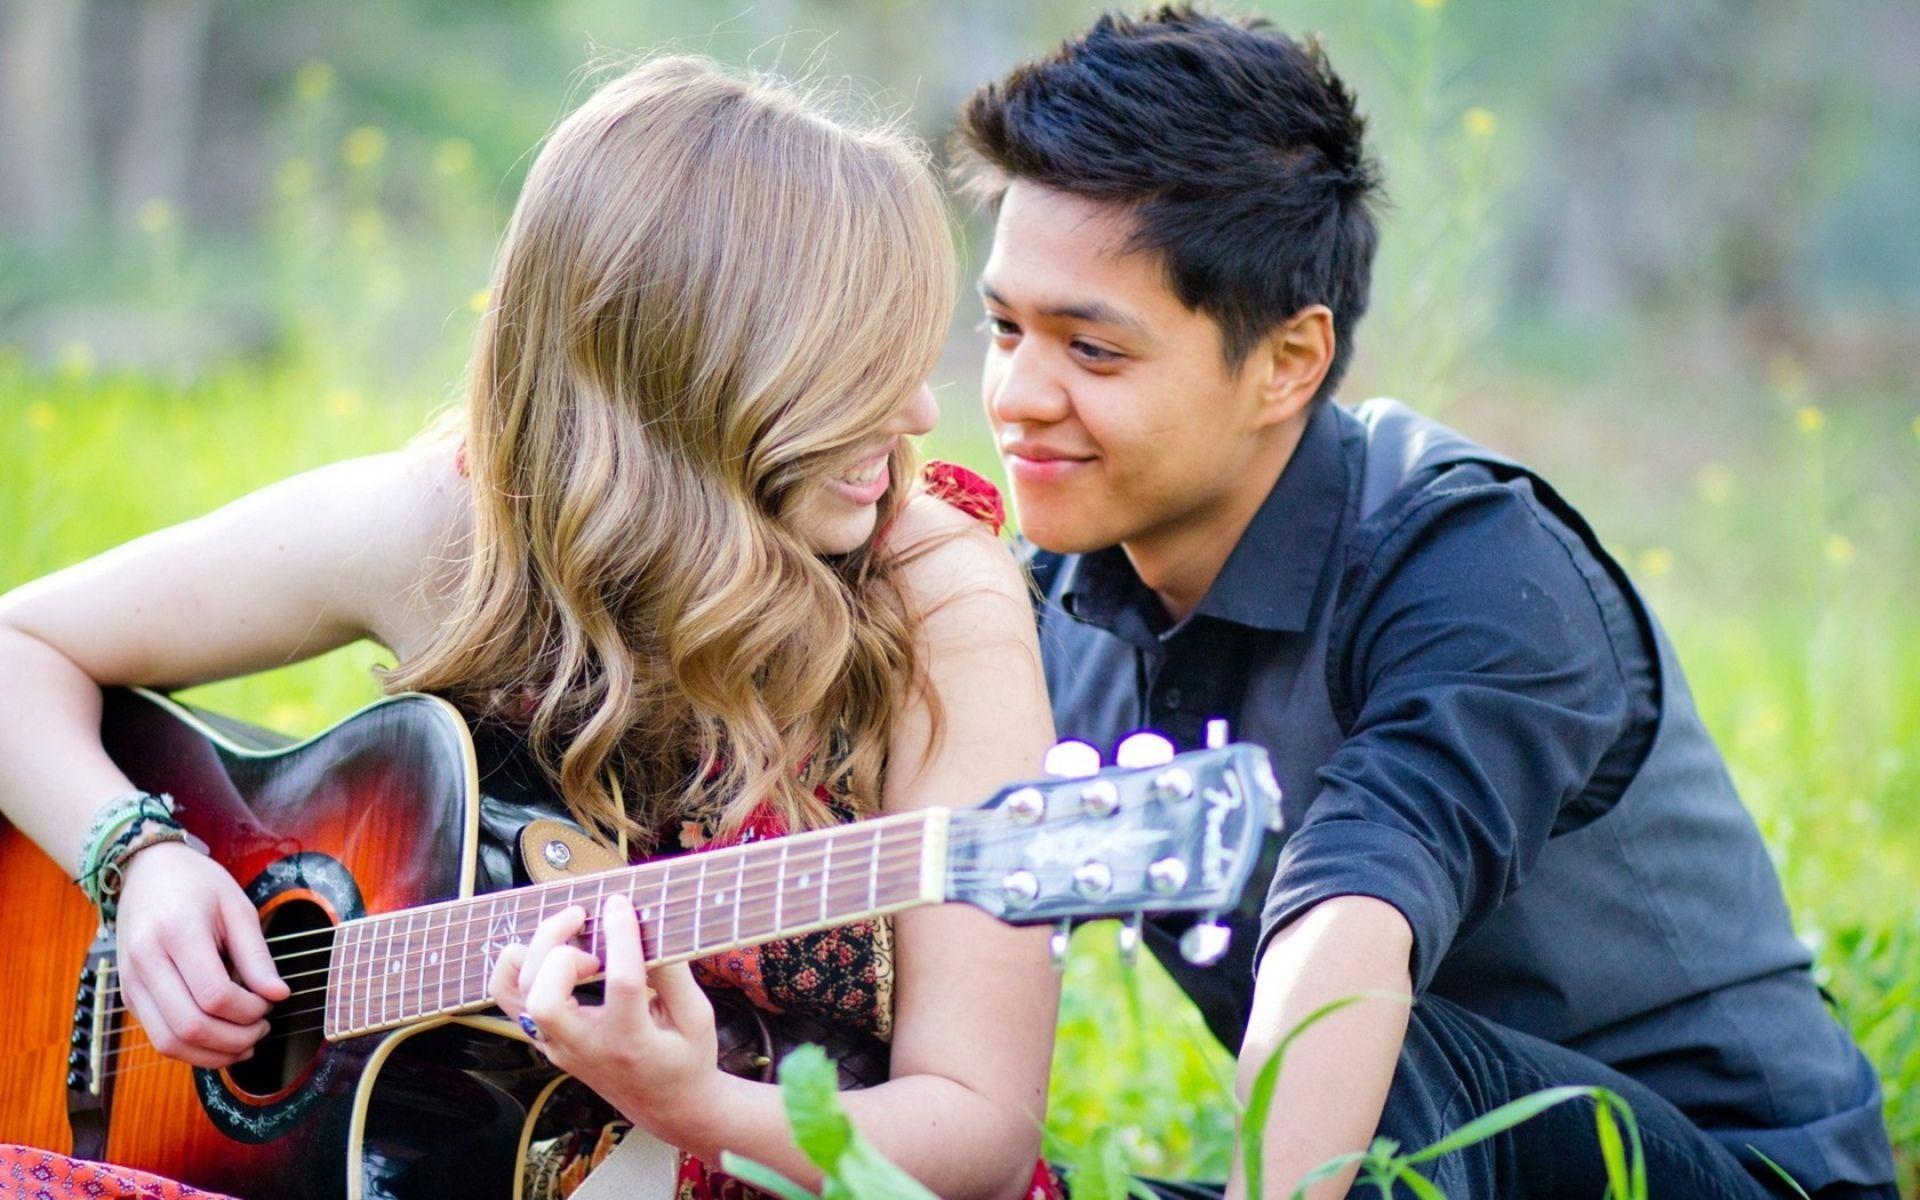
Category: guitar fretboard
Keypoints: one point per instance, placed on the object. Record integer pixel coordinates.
(394, 968)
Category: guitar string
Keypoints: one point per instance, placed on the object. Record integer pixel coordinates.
(894, 875)
(674, 907)
(889, 878)
(819, 846)
(281, 1034)
(960, 820)
(275, 1036)
(998, 834)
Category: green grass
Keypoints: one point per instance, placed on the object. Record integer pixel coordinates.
(1780, 563)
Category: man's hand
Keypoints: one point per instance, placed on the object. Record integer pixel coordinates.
(1334, 1083)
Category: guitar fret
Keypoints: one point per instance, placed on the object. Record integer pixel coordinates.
(467, 945)
(780, 886)
(350, 972)
(411, 968)
(660, 907)
(699, 902)
(386, 973)
(739, 892)
(440, 988)
(596, 927)
(826, 868)
(490, 945)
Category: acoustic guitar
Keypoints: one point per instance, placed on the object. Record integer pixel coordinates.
(386, 1072)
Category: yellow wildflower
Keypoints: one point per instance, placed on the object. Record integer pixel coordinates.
(287, 717)
(478, 301)
(76, 360)
(453, 156)
(1839, 549)
(313, 81)
(295, 177)
(1479, 122)
(156, 217)
(1656, 561)
(1428, 3)
(1714, 481)
(365, 227)
(1916, 427)
(365, 146)
(343, 402)
(39, 415)
(1809, 418)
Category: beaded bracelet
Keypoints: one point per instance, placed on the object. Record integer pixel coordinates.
(110, 815)
(115, 824)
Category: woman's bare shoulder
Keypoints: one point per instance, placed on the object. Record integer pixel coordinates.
(416, 520)
(949, 556)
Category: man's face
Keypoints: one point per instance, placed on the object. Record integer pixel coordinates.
(1110, 400)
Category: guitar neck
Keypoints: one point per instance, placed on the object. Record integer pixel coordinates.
(395, 968)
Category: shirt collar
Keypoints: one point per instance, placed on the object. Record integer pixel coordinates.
(1269, 580)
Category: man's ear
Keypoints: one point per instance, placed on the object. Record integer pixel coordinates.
(1292, 360)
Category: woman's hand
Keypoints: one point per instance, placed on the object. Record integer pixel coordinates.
(179, 912)
(650, 1051)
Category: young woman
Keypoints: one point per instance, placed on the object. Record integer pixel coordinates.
(680, 544)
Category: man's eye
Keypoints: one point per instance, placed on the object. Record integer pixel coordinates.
(998, 326)
(1096, 354)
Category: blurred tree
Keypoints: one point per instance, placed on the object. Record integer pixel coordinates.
(155, 143)
(47, 190)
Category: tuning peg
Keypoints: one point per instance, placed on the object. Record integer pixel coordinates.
(1143, 749)
(1025, 805)
(1129, 938)
(1071, 758)
(1057, 944)
(1217, 734)
(1205, 942)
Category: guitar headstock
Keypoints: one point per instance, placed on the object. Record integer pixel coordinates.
(1158, 833)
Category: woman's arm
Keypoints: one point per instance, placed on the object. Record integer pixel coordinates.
(974, 1000)
(286, 573)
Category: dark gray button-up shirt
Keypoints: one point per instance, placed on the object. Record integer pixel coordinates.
(1476, 720)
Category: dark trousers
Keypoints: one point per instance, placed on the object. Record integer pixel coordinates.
(1456, 1066)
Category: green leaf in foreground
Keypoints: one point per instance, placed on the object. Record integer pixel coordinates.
(1781, 1171)
(1253, 1121)
(1498, 1121)
(763, 1177)
(811, 1089)
(853, 1169)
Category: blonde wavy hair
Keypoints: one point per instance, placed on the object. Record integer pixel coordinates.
(710, 295)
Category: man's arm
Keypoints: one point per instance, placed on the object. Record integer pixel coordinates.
(1334, 1083)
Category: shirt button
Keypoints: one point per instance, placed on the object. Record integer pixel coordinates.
(1171, 698)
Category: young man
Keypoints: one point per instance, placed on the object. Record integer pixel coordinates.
(1499, 797)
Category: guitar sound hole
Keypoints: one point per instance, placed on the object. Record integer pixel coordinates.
(300, 935)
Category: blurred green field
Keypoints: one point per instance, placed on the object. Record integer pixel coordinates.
(1782, 564)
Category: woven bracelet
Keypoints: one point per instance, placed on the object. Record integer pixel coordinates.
(116, 822)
